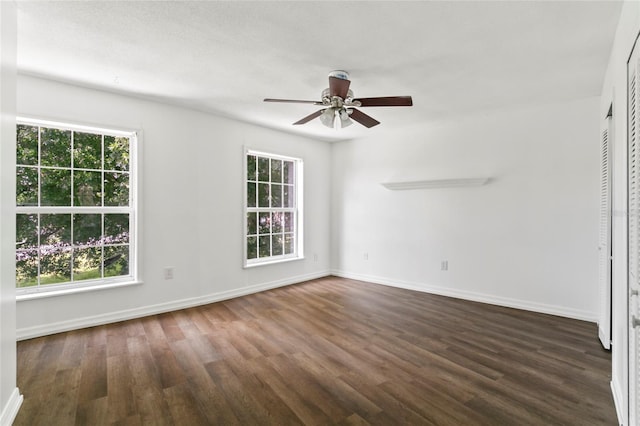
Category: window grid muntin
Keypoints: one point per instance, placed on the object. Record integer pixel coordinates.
(73, 209)
(73, 248)
(39, 167)
(254, 177)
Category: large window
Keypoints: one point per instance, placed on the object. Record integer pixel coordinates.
(273, 213)
(75, 206)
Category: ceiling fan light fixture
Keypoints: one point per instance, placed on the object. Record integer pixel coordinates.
(345, 121)
(328, 117)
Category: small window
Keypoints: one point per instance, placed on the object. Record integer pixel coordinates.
(75, 208)
(273, 213)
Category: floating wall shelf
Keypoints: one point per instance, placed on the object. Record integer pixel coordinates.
(434, 183)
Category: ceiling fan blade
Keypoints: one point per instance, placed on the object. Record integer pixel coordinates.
(293, 101)
(339, 87)
(363, 118)
(386, 101)
(309, 117)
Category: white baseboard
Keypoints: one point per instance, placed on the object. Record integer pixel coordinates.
(58, 327)
(10, 410)
(91, 321)
(473, 296)
(618, 402)
(604, 339)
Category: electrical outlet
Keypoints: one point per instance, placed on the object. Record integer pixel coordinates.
(315, 257)
(444, 265)
(366, 256)
(168, 273)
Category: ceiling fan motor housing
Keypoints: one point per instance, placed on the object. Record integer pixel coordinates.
(337, 101)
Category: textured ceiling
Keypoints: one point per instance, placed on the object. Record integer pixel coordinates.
(224, 57)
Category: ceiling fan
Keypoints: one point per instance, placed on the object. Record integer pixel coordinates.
(339, 104)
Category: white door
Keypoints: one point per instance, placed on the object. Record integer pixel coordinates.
(604, 245)
(633, 189)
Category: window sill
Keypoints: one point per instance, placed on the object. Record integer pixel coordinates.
(272, 262)
(41, 294)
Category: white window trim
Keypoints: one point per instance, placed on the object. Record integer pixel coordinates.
(134, 209)
(298, 253)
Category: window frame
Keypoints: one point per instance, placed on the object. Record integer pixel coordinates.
(133, 209)
(297, 209)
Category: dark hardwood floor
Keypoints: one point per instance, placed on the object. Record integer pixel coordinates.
(329, 351)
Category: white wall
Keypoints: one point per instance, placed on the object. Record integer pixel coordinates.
(10, 398)
(614, 92)
(527, 239)
(192, 181)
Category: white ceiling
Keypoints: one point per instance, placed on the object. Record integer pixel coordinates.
(225, 57)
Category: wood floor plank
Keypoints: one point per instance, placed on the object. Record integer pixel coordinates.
(97, 336)
(116, 339)
(120, 385)
(165, 360)
(74, 350)
(143, 369)
(183, 406)
(152, 407)
(276, 412)
(328, 351)
(211, 401)
(303, 408)
(341, 392)
(93, 380)
(230, 382)
(354, 420)
(129, 421)
(92, 412)
(300, 378)
(170, 327)
(65, 393)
